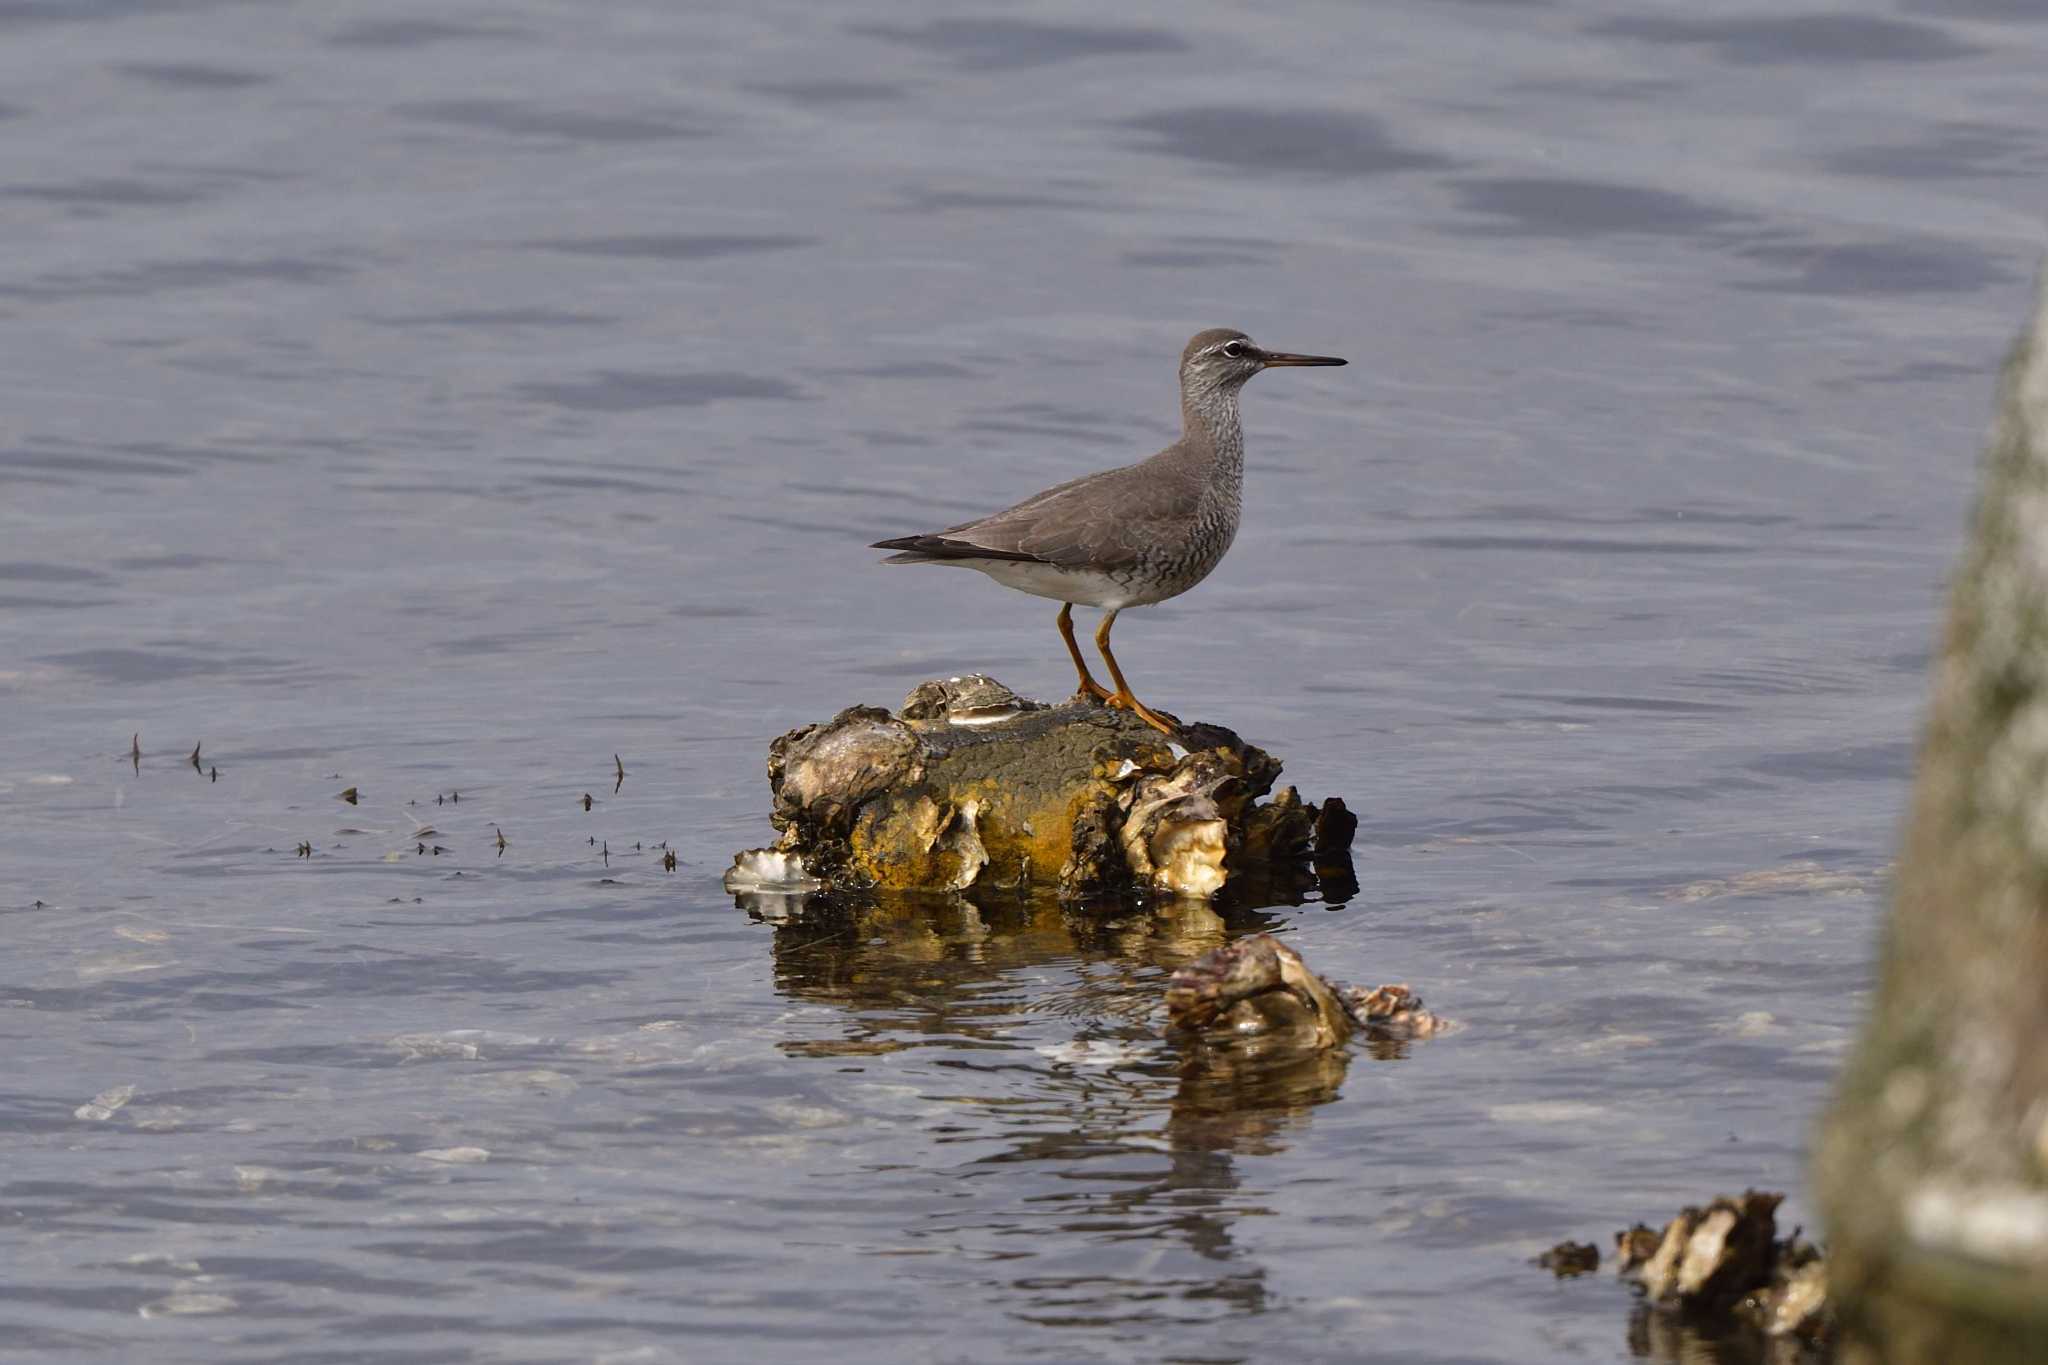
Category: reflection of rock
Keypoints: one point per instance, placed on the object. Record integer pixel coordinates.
(1259, 989)
(1933, 1164)
(1675, 1338)
(875, 951)
(1239, 1099)
(974, 786)
(1725, 1262)
(1035, 1024)
(904, 967)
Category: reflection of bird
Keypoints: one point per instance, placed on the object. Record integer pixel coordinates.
(1131, 536)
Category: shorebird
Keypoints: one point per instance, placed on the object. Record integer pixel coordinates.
(1132, 536)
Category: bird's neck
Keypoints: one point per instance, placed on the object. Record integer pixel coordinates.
(1212, 433)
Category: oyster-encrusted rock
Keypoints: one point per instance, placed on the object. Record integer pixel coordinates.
(1392, 1013)
(971, 785)
(1725, 1260)
(1176, 828)
(1711, 1257)
(1258, 987)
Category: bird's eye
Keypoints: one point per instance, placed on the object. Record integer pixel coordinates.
(1233, 349)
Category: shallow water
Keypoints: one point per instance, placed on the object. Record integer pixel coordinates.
(444, 405)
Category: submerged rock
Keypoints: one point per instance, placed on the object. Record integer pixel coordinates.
(1260, 988)
(971, 785)
(1256, 986)
(1933, 1164)
(1262, 1039)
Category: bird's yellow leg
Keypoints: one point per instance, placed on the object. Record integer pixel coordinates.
(1089, 687)
(1165, 725)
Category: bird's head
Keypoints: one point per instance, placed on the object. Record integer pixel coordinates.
(1223, 358)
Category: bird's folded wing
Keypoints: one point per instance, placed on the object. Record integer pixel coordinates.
(1096, 522)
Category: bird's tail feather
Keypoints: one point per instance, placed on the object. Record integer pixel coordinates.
(929, 549)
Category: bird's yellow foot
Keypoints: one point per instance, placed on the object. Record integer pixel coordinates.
(1093, 691)
(1165, 722)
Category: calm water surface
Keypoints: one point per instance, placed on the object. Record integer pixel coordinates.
(442, 400)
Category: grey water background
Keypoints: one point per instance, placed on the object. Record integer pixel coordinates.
(443, 399)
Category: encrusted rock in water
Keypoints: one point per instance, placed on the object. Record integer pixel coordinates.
(1259, 988)
(1256, 986)
(973, 786)
(1709, 1258)
(1567, 1260)
(1390, 1014)
(1726, 1261)
(1933, 1163)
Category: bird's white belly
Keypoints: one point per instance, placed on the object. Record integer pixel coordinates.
(1084, 586)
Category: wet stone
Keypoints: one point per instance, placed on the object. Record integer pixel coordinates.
(970, 785)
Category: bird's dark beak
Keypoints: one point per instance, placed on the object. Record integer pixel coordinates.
(1273, 358)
